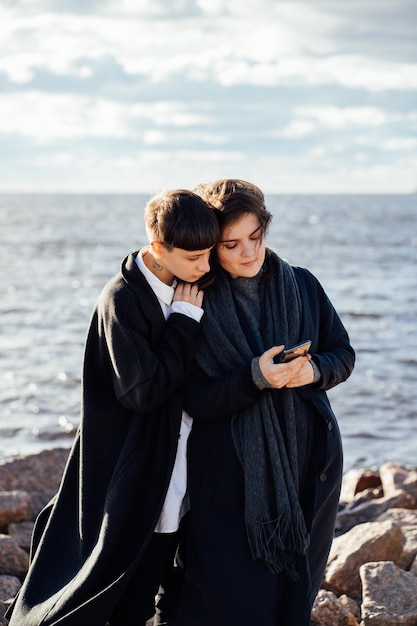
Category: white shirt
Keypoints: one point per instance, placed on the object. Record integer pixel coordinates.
(176, 502)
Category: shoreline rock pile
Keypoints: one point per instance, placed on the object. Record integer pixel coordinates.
(26, 486)
(371, 575)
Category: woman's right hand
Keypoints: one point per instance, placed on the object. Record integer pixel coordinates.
(279, 374)
(188, 292)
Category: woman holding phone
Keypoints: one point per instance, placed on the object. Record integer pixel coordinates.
(265, 457)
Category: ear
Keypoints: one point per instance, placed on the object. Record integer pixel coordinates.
(158, 249)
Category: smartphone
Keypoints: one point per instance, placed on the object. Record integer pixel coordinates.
(292, 353)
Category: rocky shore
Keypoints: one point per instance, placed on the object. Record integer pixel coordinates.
(371, 575)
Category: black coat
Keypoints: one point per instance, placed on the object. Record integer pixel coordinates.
(216, 528)
(90, 539)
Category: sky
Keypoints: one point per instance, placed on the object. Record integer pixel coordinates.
(127, 96)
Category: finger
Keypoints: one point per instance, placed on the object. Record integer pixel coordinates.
(179, 288)
(200, 297)
(191, 289)
(271, 352)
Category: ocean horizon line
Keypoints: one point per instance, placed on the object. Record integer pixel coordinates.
(58, 192)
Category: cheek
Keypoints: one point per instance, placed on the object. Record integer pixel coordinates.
(261, 249)
(223, 257)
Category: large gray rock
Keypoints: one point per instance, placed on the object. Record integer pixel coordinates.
(22, 534)
(351, 605)
(389, 595)
(37, 474)
(366, 542)
(356, 481)
(15, 506)
(408, 521)
(9, 586)
(395, 477)
(13, 560)
(371, 509)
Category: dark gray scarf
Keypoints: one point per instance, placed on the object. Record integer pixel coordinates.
(271, 436)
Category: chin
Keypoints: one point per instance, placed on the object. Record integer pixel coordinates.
(251, 272)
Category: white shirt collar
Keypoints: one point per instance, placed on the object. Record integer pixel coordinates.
(161, 290)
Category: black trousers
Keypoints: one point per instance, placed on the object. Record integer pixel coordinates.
(137, 604)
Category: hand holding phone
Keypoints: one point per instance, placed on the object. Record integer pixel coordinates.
(289, 354)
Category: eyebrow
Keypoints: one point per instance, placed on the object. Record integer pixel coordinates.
(250, 235)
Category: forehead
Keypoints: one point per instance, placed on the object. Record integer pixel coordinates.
(241, 228)
(180, 252)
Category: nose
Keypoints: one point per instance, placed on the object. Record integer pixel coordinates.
(248, 249)
(204, 265)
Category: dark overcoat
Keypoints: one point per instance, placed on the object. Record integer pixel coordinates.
(91, 537)
(216, 527)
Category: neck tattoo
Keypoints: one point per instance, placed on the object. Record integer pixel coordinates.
(157, 266)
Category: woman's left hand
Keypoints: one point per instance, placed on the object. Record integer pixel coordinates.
(303, 376)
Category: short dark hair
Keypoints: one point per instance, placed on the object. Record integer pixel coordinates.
(231, 198)
(181, 219)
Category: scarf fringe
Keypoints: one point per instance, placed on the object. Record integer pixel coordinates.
(277, 542)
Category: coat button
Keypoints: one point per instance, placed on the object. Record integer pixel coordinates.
(329, 426)
(323, 477)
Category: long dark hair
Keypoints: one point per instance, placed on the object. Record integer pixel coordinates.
(231, 198)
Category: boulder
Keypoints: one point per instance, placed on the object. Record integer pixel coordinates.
(351, 605)
(407, 519)
(395, 477)
(357, 480)
(363, 543)
(9, 586)
(389, 595)
(37, 474)
(369, 510)
(329, 611)
(15, 506)
(22, 534)
(13, 560)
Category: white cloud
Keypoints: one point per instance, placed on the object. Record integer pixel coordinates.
(150, 170)
(342, 117)
(360, 156)
(400, 143)
(359, 72)
(297, 128)
(154, 137)
(330, 86)
(50, 117)
(267, 45)
(308, 120)
(318, 151)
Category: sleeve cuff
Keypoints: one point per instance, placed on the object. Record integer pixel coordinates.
(316, 371)
(257, 376)
(188, 309)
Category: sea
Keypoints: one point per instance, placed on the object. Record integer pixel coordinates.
(58, 251)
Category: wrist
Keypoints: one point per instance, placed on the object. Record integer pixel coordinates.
(257, 376)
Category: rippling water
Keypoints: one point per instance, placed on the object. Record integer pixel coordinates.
(57, 252)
